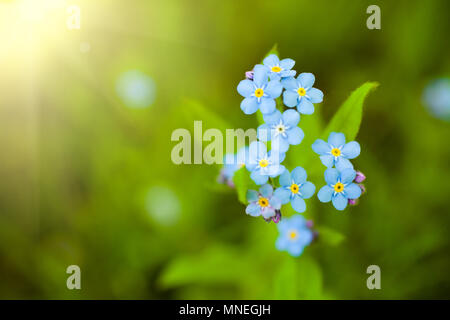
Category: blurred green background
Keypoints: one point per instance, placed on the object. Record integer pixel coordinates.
(87, 179)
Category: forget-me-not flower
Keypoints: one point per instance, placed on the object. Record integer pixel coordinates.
(301, 94)
(278, 69)
(259, 93)
(336, 152)
(262, 203)
(294, 189)
(281, 129)
(436, 97)
(294, 235)
(340, 187)
(263, 164)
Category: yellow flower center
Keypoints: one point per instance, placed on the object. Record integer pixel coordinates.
(276, 69)
(294, 188)
(336, 152)
(301, 92)
(259, 93)
(263, 202)
(263, 163)
(338, 187)
(293, 234)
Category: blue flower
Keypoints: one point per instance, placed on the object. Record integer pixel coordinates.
(232, 163)
(262, 203)
(278, 69)
(263, 164)
(336, 152)
(294, 235)
(300, 93)
(259, 93)
(294, 188)
(281, 129)
(340, 187)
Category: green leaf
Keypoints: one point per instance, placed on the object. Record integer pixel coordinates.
(243, 182)
(298, 278)
(329, 236)
(216, 265)
(193, 110)
(273, 50)
(348, 118)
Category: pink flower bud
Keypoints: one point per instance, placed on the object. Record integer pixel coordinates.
(360, 177)
(352, 202)
(249, 75)
(363, 188)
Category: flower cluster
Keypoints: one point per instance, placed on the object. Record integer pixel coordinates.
(269, 88)
(340, 188)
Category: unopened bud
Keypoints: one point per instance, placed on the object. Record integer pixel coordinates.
(363, 188)
(309, 224)
(352, 202)
(249, 75)
(360, 177)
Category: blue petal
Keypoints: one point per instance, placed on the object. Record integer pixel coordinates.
(290, 98)
(267, 212)
(280, 144)
(229, 159)
(246, 88)
(295, 136)
(260, 75)
(305, 106)
(275, 156)
(252, 195)
(264, 132)
(295, 250)
(298, 204)
(351, 150)
(274, 89)
(249, 105)
(336, 139)
(306, 80)
(327, 160)
(284, 226)
(257, 150)
(258, 178)
(297, 221)
(352, 191)
(276, 170)
(290, 84)
(291, 118)
(266, 190)
(321, 147)
(315, 95)
(299, 175)
(287, 64)
(348, 175)
(282, 241)
(275, 202)
(267, 105)
(288, 74)
(305, 236)
(342, 164)
(339, 201)
(272, 118)
(271, 60)
(331, 176)
(325, 193)
(285, 179)
(253, 209)
(282, 194)
(307, 190)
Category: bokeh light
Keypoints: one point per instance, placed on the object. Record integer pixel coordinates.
(136, 89)
(436, 97)
(163, 205)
